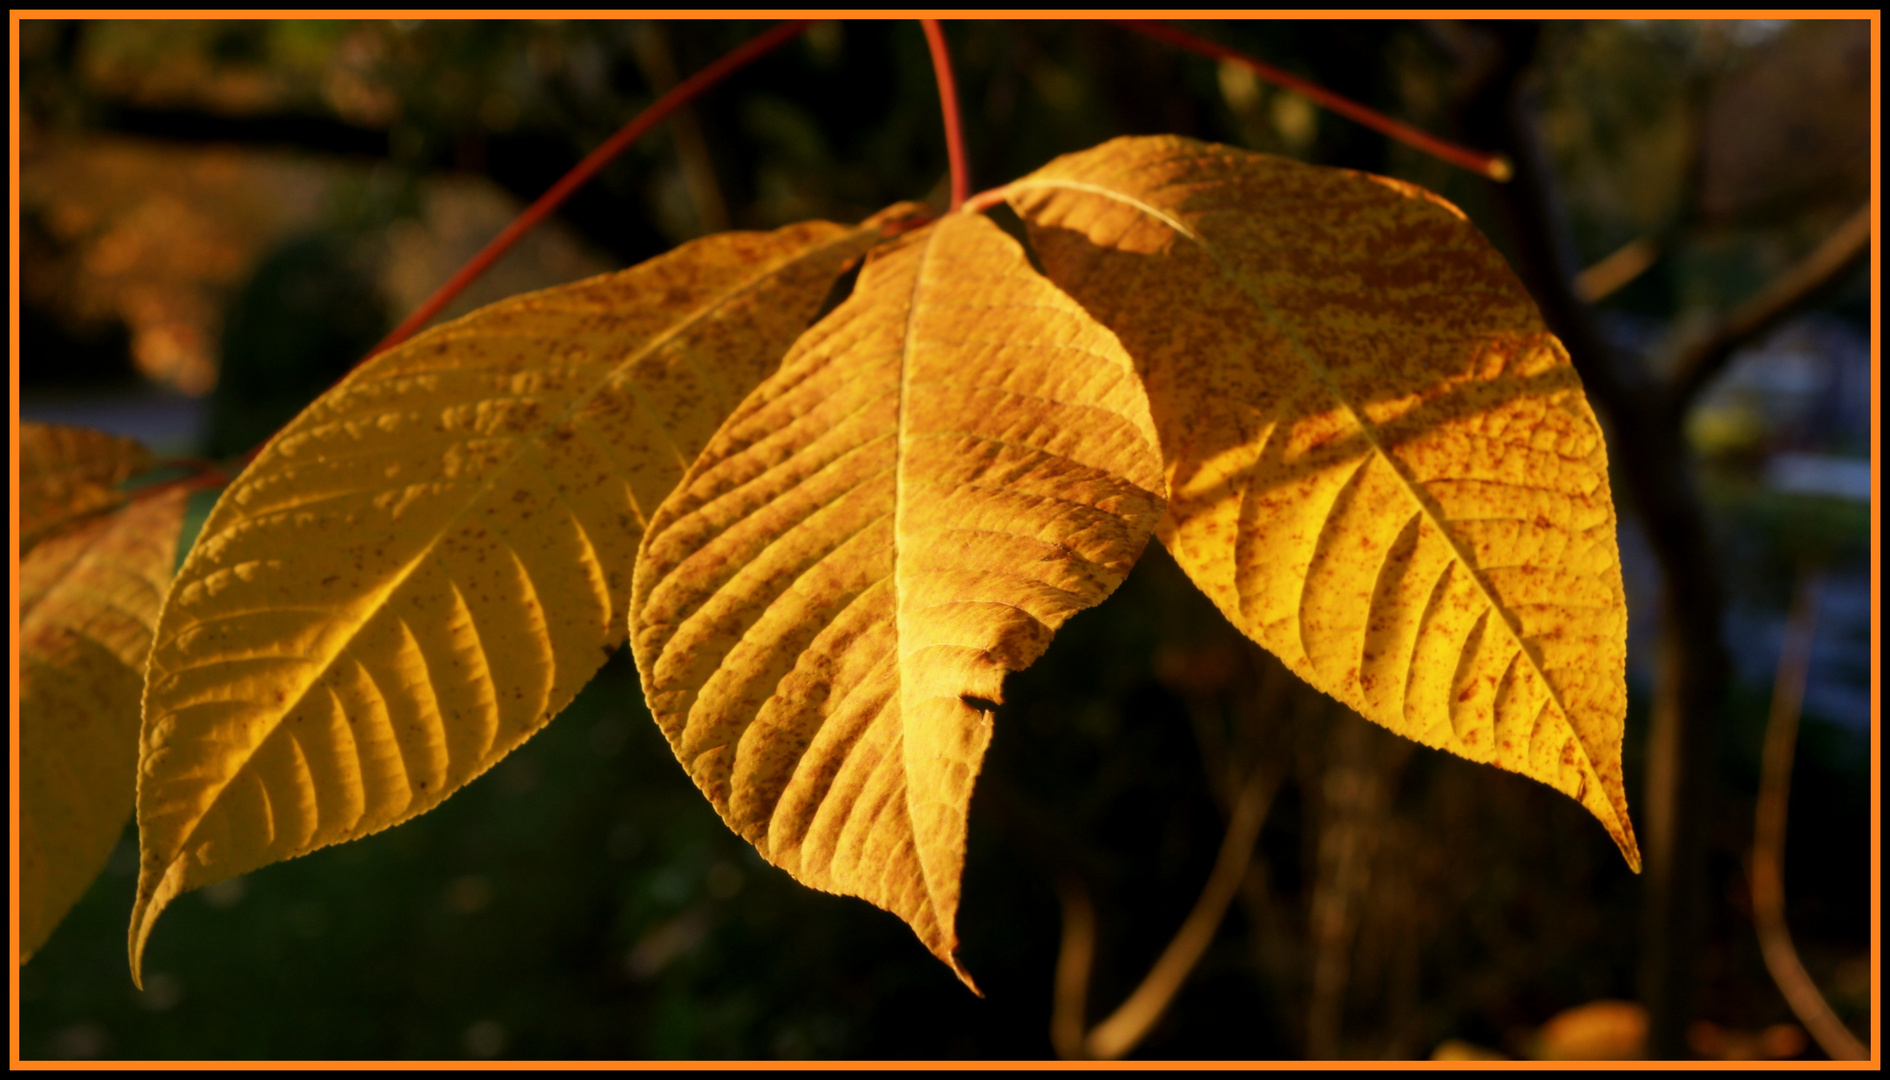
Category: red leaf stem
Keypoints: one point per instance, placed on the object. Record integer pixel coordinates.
(1494, 166)
(207, 474)
(948, 104)
(683, 93)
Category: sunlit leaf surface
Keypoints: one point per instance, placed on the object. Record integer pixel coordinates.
(426, 565)
(945, 469)
(1381, 465)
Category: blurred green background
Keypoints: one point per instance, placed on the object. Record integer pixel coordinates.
(219, 218)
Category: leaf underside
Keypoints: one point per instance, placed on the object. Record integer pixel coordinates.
(428, 563)
(68, 472)
(1381, 465)
(943, 470)
(89, 596)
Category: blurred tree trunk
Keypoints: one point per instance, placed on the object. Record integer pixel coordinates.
(1650, 457)
(1355, 790)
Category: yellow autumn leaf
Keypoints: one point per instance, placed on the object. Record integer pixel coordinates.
(1381, 465)
(427, 564)
(944, 469)
(67, 472)
(89, 597)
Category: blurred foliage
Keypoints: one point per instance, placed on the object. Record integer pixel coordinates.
(583, 901)
(294, 329)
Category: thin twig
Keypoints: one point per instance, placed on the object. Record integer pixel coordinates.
(1127, 1026)
(194, 465)
(1634, 258)
(208, 475)
(1706, 357)
(948, 105)
(199, 473)
(687, 91)
(1628, 262)
(1076, 953)
(1494, 166)
(1768, 840)
(652, 51)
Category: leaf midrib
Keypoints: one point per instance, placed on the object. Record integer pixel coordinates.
(923, 256)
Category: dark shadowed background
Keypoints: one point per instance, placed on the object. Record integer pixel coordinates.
(219, 218)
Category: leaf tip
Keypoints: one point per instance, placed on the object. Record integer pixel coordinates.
(1630, 850)
(1611, 810)
(152, 900)
(964, 976)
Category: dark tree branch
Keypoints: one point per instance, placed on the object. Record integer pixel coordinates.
(1651, 458)
(297, 131)
(1496, 109)
(1707, 356)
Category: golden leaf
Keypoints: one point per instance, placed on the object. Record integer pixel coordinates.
(89, 596)
(945, 469)
(1381, 465)
(67, 472)
(426, 565)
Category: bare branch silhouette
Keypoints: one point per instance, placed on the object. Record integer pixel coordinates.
(1768, 841)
